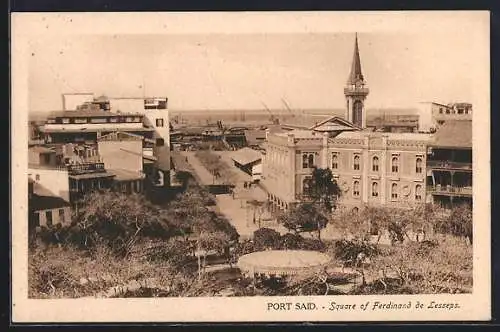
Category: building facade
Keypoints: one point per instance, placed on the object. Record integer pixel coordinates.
(370, 168)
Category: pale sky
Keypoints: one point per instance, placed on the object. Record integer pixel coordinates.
(242, 71)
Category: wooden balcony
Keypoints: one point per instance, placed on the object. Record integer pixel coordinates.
(449, 190)
(83, 168)
(448, 165)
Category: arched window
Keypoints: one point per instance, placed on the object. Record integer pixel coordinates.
(418, 192)
(355, 189)
(418, 165)
(375, 164)
(304, 161)
(440, 111)
(395, 164)
(310, 160)
(357, 113)
(335, 163)
(375, 189)
(394, 191)
(356, 163)
(447, 111)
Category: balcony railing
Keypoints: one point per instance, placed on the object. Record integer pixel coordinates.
(86, 168)
(450, 190)
(356, 91)
(449, 164)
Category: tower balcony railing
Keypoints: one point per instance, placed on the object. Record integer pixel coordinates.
(450, 190)
(356, 91)
(449, 164)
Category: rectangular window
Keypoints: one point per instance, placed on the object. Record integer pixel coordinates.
(160, 142)
(61, 216)
(355, 189)
(335, 161)
(99, 120)
(113, 120)
(129, 119)
(48, 217)
(80, 120)
(162, 104)
(356, 162)
(159, 122)
(65, 120)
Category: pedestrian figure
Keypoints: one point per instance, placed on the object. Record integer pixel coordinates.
(249, 185)
(245, 185)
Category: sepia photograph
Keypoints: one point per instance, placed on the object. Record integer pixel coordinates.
(307, 169)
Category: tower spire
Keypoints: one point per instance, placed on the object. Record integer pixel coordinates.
(356, 74)
(356, 91)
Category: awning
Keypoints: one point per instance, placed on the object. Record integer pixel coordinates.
(246, 156)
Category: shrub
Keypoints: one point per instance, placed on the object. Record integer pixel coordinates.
(265, 238)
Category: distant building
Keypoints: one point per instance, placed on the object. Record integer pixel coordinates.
(449, 164)
(255, 137)
(432, 114)
(394, 123)
(123, 155)
(249, 161)
(44, 170)
(88, 177)
(71, 101)
(46, 209)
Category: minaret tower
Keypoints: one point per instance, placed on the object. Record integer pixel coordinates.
(356, 91)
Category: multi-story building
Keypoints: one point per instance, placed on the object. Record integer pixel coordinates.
(97, 117)
(86, 126)
(371, 168)
(155, 112)
(432, 114)
(449, 164)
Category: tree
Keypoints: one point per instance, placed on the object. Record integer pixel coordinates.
(351, 224)
(459, 223)
(118, 220)
(425, 267)
(267, 238)
(323, 189)
(206, 242)
(303, 218)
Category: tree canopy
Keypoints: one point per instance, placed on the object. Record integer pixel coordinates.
(323, 189)
(305, 217)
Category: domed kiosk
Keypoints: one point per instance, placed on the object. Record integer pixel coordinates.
(282, 263)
